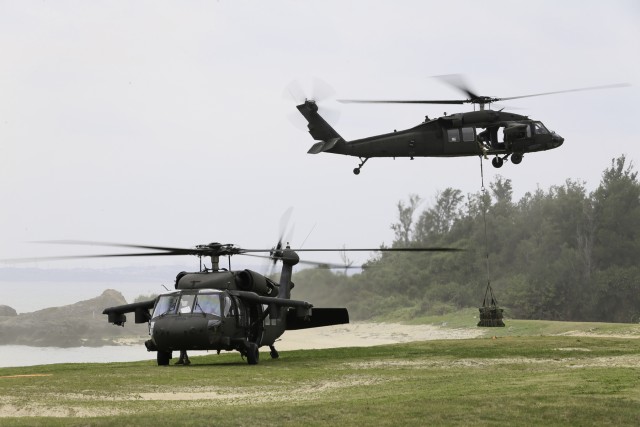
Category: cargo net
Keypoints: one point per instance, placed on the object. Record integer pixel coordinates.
(490, 313)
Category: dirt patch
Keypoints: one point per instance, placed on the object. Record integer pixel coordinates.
(635, 334)
(627, 361)
(631, 361)
(26, 375)
(11, 410)
(305, 392)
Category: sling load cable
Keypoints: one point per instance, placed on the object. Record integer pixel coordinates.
(484, 219)
(490, 315)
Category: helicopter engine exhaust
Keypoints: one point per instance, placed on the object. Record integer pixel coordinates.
(247, 280)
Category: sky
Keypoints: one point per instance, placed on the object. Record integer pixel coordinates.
(167, 122)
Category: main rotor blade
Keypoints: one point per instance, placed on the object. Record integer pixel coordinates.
(388, 101)
(454, 80)
(329, 265)
(458, 82)
(167, 250)
(116, 245)
(70, 257)
(435, 249)
(581, 89)
(211, 250)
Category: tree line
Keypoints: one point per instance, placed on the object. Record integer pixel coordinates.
(560, 254)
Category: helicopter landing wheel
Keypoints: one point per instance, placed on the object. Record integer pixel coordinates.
(273, 353)
(497, 162)
(356, 171)
(253, 354)
(163, 358)
(516, 158)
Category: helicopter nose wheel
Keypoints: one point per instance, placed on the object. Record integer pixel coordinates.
(497, 162)
(356, 171)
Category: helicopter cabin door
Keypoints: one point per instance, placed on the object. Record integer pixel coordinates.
(460, 141)
(517, 136)
(248, 318)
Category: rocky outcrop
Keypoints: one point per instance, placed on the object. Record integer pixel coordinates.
(5, 310)
(75, 325)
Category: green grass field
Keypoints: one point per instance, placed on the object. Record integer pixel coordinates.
(525, 378)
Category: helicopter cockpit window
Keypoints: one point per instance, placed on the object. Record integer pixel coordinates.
(468, 134)
(167, 304)
(539, 129)
(453, 135)
(186, 303)
(207, 303)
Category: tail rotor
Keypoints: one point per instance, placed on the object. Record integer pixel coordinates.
(317, 92)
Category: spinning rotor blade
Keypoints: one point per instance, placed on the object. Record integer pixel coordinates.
(389, 101)
(116, 245)
(225, 249)
(70, 257)
(618, 85)
(434, 249)
(211, 249)
(329, 265)
(458, 82)
(319, 92)
(283, 226)
(294, 91)
(454, 80)
(343, 266)
(215, 249)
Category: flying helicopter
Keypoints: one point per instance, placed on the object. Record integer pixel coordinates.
(483, 132)
(220, 309)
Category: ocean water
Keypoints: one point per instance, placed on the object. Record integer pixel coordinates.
(22, 355)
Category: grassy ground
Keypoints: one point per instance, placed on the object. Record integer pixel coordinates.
(468, 318)
(514, 380)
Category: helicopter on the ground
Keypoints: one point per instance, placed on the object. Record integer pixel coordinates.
(475, 133)
(219, 309)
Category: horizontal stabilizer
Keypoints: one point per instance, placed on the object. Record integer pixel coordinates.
(322, 146)
(316, 148)
(319, 317)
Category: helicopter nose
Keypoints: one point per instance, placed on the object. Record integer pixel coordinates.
(557, 140)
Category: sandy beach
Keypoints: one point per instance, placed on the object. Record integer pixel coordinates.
(361, 334)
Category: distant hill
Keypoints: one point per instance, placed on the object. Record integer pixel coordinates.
(130, 274)
(76, 325)
(5, 310)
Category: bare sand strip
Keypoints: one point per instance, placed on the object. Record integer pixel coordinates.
(359, 334)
